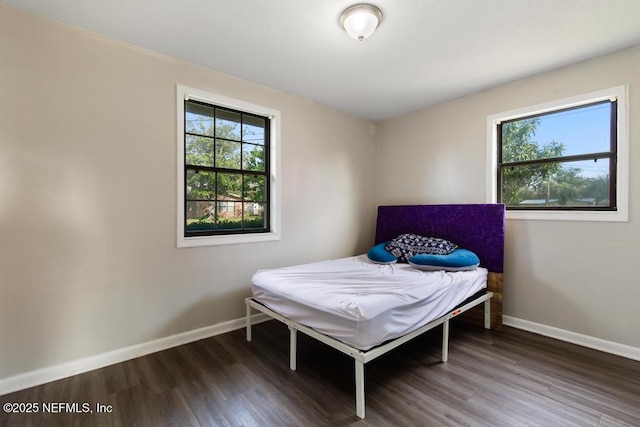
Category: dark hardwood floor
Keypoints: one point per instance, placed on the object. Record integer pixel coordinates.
(509, 378)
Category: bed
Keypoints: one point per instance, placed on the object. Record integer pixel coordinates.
(366, 309)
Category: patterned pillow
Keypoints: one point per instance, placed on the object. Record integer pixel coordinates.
(407, 245)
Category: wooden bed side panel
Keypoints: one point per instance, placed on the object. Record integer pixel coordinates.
(476, 314)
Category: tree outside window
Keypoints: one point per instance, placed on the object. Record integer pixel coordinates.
(226, 170)
(560, 160)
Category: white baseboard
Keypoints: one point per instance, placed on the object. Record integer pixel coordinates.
(574, 338)
(53, 373)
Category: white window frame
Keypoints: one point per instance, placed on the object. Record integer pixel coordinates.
(185, 93)
(619, 93)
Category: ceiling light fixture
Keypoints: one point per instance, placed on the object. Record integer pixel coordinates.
(360, 20)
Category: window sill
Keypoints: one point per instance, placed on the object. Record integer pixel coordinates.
(619, 216)
(232, 239)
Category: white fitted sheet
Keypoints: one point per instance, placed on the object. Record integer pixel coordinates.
(361, 303)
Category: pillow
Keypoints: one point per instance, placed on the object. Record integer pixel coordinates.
(458, 260)
(379, 255)
(407, 245)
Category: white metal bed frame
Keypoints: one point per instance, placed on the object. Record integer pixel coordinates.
(359, 356)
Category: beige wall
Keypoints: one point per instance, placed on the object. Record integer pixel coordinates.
(583, 277)
(88, 257)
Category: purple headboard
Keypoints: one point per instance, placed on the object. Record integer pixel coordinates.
(477, 227)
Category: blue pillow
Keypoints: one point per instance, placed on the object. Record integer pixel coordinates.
(379, 255)
(458, 260)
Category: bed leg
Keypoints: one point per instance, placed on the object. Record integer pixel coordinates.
(359, 388)
(293, 347)
(248, 322)
(487, 314)
(445, 341)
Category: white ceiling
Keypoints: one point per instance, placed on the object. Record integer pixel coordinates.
(423, 53)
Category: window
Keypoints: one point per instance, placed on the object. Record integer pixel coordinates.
(562, 160)
(227, 164)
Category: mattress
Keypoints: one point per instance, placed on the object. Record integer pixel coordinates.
(361, 303)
